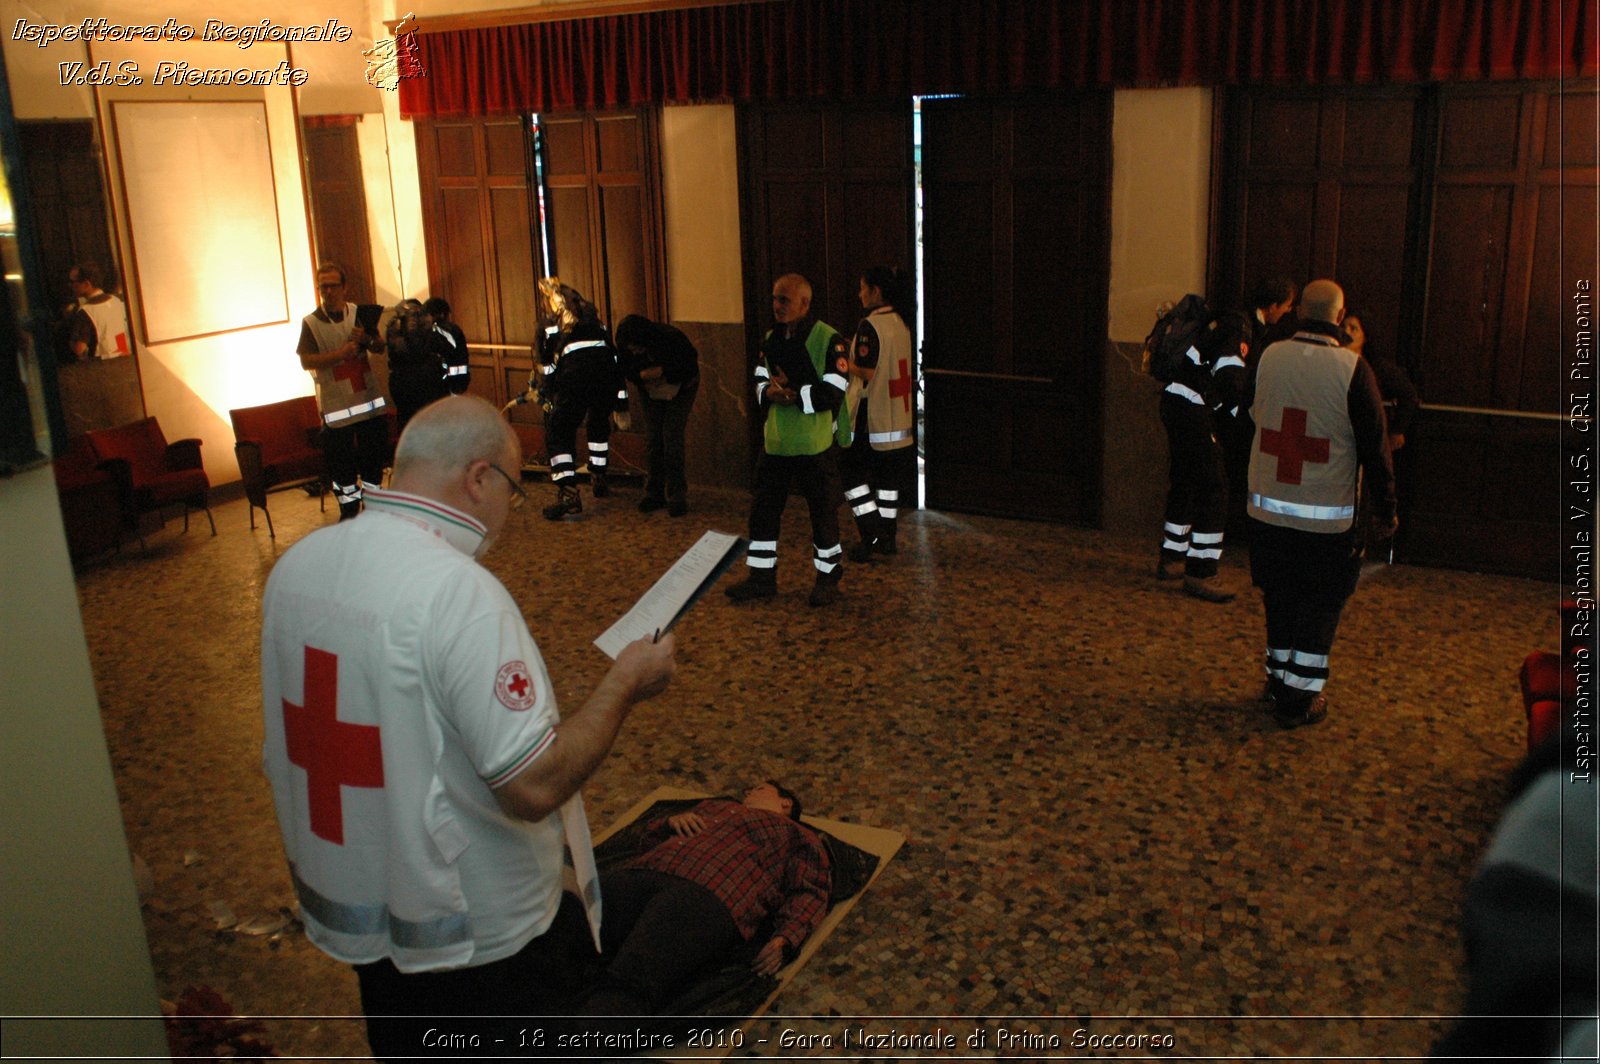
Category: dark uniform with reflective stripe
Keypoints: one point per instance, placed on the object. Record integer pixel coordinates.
(582, 385)
(797, 442)
(1205, 393)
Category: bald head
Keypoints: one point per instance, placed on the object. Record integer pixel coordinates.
(446, 437)
(1322, 301)
(791, 298)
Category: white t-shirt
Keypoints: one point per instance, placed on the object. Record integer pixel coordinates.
(400, 685)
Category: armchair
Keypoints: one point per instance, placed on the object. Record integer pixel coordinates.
(152, 473)
(91, 503)
(278, 447)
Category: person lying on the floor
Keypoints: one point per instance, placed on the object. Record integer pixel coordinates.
(705, 881)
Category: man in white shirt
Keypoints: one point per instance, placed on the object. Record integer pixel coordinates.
(424, 779)
(98, 329)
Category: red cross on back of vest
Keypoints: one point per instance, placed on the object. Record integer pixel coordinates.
(333, 753)
(900, 387)
(1292, 447)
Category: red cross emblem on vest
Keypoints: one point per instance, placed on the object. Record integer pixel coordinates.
(900, 387)
(353, 370)
(1292, 447)
(333, 753)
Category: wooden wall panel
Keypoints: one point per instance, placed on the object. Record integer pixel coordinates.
(1458, 215)
(339, 206)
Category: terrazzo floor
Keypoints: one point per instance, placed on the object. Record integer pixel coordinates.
(1106, 837)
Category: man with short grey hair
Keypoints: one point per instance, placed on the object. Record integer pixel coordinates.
(425, 782)
(800, 380)
(1319, 427)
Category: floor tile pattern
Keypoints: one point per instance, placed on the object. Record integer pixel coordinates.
(1101, 821)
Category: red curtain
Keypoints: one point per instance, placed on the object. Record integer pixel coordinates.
(846, 49)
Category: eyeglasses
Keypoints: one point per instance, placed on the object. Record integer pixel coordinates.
(518, 496)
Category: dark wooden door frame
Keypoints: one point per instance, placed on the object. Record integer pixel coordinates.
(1001, 479)
(834, 295)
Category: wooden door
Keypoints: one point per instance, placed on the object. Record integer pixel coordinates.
(67, 208)
(1016, 200)
(339, 202)
(479, 217)
(1514, 226)
(1456, 218)
(1327, 185)
(599, 176)
(827, 192)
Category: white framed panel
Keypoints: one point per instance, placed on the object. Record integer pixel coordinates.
(202, 216)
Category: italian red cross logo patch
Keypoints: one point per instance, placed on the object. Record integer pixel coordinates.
(514, 687)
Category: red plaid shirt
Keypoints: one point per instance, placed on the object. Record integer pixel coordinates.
(755, 862)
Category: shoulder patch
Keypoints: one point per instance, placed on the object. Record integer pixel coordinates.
(514, 687)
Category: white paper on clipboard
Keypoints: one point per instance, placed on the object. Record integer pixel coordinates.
(671, 596)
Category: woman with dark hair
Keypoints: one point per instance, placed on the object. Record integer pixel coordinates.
(580, 383)
(879, 469)
(1400, 398)
(665, 367)
(1400, 404)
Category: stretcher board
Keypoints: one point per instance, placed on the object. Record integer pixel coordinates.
(882, 843)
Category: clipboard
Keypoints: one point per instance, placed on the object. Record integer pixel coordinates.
(679, 588)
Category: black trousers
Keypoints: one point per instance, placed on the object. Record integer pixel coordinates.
(413, 388)
(817, 476)
(666, 424)
(878, 485)
(587, 395)
(1197, 487)
(1305, 579)
(658, 931)
(356, 455)
(511, 999)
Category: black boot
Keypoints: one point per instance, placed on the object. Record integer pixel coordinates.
(567, 502)
(825, 592)
(598, 483)
(760, 584)
(867, 525)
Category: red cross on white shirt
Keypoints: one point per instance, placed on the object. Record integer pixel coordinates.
(334, 754)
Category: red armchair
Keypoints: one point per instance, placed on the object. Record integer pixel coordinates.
(91, 502)
(152, 473)
(278, 447)
(1550, 680)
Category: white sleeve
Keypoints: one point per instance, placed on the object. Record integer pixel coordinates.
(495, 691)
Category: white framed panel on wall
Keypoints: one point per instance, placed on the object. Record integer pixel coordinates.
(202, 216)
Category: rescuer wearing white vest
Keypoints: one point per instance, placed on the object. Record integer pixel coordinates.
(98, 328)
(333, 347)
(424, 780)
(1319, 427)
(880, 466)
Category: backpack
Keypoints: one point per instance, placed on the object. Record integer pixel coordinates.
(1176, 330)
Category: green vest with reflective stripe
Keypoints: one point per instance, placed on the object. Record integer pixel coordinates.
(790, 430)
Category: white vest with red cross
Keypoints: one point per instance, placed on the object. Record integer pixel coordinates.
(392, 709)
(110, 320)
(891, 403)
(1303, 465)
(348, 392)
